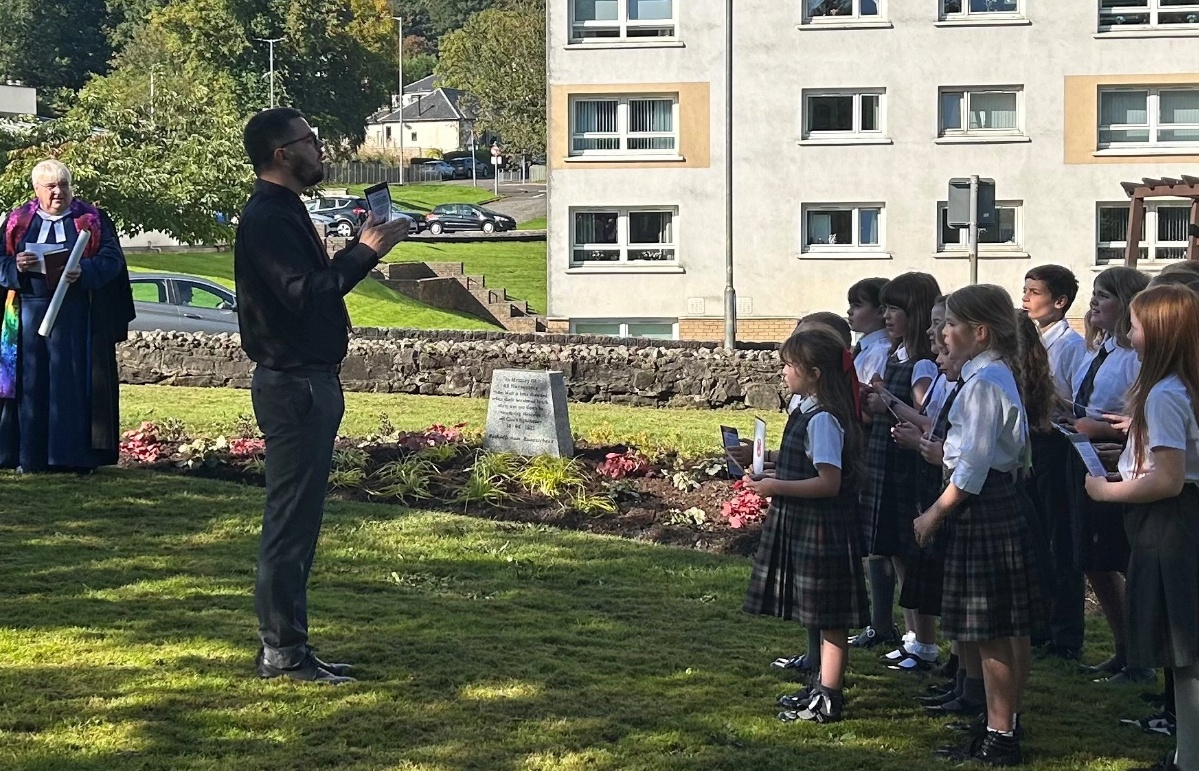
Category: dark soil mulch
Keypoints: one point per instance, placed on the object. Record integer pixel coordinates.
(645, 504)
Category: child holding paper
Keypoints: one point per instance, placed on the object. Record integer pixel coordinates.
(809, 562)
(1158, 472)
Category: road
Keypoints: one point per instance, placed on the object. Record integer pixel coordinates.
(521, 201)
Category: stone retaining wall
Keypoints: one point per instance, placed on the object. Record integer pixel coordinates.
(597, 369)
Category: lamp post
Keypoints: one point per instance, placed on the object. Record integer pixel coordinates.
(730, 293)
(400, 76)
(271, 42)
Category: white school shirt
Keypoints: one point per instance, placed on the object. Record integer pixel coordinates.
(1171, 424)
(1113, 381)
(988, 428)
(925, 369)
(942, 387)
(825, 438)
(1066, 350)
(872, 357)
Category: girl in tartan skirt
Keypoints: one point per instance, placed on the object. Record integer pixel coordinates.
(809, 562)
(990, 592)
(897, 479)
(1159, 473)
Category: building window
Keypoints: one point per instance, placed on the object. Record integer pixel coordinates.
(629, 236)
(965, 9)
(413, 136)
(387, 134)
(1006, 235)
(980, 112)
(1163, 232)
(1117, 15)
(651, 329)
(600, 21)
(641, 125)
(843, 114)
(832, 11)
(842, 227)
(1149, 117)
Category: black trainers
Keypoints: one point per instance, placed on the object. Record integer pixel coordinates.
(998, 750)
(1106, 668)
(800, 663)
(913, 662)
(1130, 676)
(307, 671)
(1162, 723)
(872, 638)
(956, 707)
(824, 706)
(939, 699)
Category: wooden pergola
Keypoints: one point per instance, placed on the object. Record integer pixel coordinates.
(1185, 187)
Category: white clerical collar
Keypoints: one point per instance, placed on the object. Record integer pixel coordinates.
(52, 217)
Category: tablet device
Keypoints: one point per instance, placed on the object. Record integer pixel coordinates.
(378, 202)
(729, 439)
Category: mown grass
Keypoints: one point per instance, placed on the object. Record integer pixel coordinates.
(538, 224)
(370, 304)
(518, 267)
(129, 636)
(425, 197)
(214, 411)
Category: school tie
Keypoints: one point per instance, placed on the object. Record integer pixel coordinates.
(857, 348)
(941, 425)
(928, 398)
(1087, 387)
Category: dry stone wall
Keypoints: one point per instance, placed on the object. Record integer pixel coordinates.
(597, 369)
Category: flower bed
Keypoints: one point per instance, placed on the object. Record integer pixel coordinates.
(613, 490)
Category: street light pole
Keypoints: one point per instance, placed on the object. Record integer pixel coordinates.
(730, 293)
(400, 74)
(271, 42)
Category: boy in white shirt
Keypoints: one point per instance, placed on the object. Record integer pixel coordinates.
(1049, 291)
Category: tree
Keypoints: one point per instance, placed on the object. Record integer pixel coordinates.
(168, 163)
(53, 46)
(498, 58)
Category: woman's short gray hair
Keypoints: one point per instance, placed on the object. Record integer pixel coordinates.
(50, 171)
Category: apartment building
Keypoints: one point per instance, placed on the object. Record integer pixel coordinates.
(850, 118)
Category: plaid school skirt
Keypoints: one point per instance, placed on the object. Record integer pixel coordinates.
(990, 590)
(809, 565)
(1163, 582)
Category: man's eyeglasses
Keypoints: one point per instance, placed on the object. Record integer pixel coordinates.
(316, 141)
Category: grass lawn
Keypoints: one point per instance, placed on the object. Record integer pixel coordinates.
(519, 267)
(371, 304)
(129, 635)
(425, 197)
(214, 411)
(537, 224)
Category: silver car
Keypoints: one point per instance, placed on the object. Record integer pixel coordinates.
(181, 303)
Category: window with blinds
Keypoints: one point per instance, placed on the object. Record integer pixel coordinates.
(1163, 232)
(1166, 117)
(633, 125)
(980, 112)
(608, 21)
(632, 236)
(1134, 15)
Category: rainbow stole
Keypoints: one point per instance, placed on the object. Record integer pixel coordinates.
(87, 218)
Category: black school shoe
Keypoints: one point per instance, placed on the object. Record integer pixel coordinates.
(1162, 723)
(998, 750)
(956, 707)
(824, 705)
(1063, 652)
(307, 671)
(800, 663)
(1107, 668)
(872, 638)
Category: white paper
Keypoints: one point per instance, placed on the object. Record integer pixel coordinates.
(41, 250)
(759, 446)
(1086, 451)
(379, 202)
(60, 291)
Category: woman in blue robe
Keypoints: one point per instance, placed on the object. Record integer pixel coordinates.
(59, 394)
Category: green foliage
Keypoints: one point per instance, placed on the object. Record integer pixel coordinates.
(348, 469)
(203, 452)
(53, 46)
(692, 517)
(404, 480)
(690, 474)
(551, 477)
(167, 164)
(498, 58)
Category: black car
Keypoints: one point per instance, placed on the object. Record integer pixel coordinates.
(347, 212)
(465, 216)
(463, 166)
(418, 219)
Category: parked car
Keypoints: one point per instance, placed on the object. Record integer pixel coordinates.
(179, 303)
(432, 170)
(347, 212)
(463, 166)
(325, 225)
(464, 216)
(418, 219)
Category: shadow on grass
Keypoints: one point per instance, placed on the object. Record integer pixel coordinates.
(130, 634)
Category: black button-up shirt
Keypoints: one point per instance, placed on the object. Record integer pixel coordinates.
(290, 304)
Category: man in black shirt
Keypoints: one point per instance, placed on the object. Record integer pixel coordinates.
(294, 325)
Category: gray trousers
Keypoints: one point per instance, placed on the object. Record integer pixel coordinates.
(299, 413)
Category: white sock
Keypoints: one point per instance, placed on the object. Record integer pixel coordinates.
(909, 638)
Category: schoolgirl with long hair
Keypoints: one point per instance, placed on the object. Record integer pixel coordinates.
(808, 565)
(990, 593)
(1159, 473)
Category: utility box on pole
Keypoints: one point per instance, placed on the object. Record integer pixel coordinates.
(959, 203)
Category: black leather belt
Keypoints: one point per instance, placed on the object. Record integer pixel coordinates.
(311, 369)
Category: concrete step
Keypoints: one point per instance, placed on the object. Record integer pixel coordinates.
(526, 324)
(447, 268)
(488, 296)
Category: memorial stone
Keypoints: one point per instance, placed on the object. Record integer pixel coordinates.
(526, 414)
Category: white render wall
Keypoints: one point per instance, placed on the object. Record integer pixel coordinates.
(775, 62)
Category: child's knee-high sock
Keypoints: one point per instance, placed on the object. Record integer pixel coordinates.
(882, 593)
(1186, 696)
(813, 653)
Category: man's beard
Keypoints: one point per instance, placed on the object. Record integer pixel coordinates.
(312, 175)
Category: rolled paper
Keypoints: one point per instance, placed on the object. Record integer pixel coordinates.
(60, 291)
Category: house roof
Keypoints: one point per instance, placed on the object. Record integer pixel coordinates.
(440, 104)
(424, 85)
